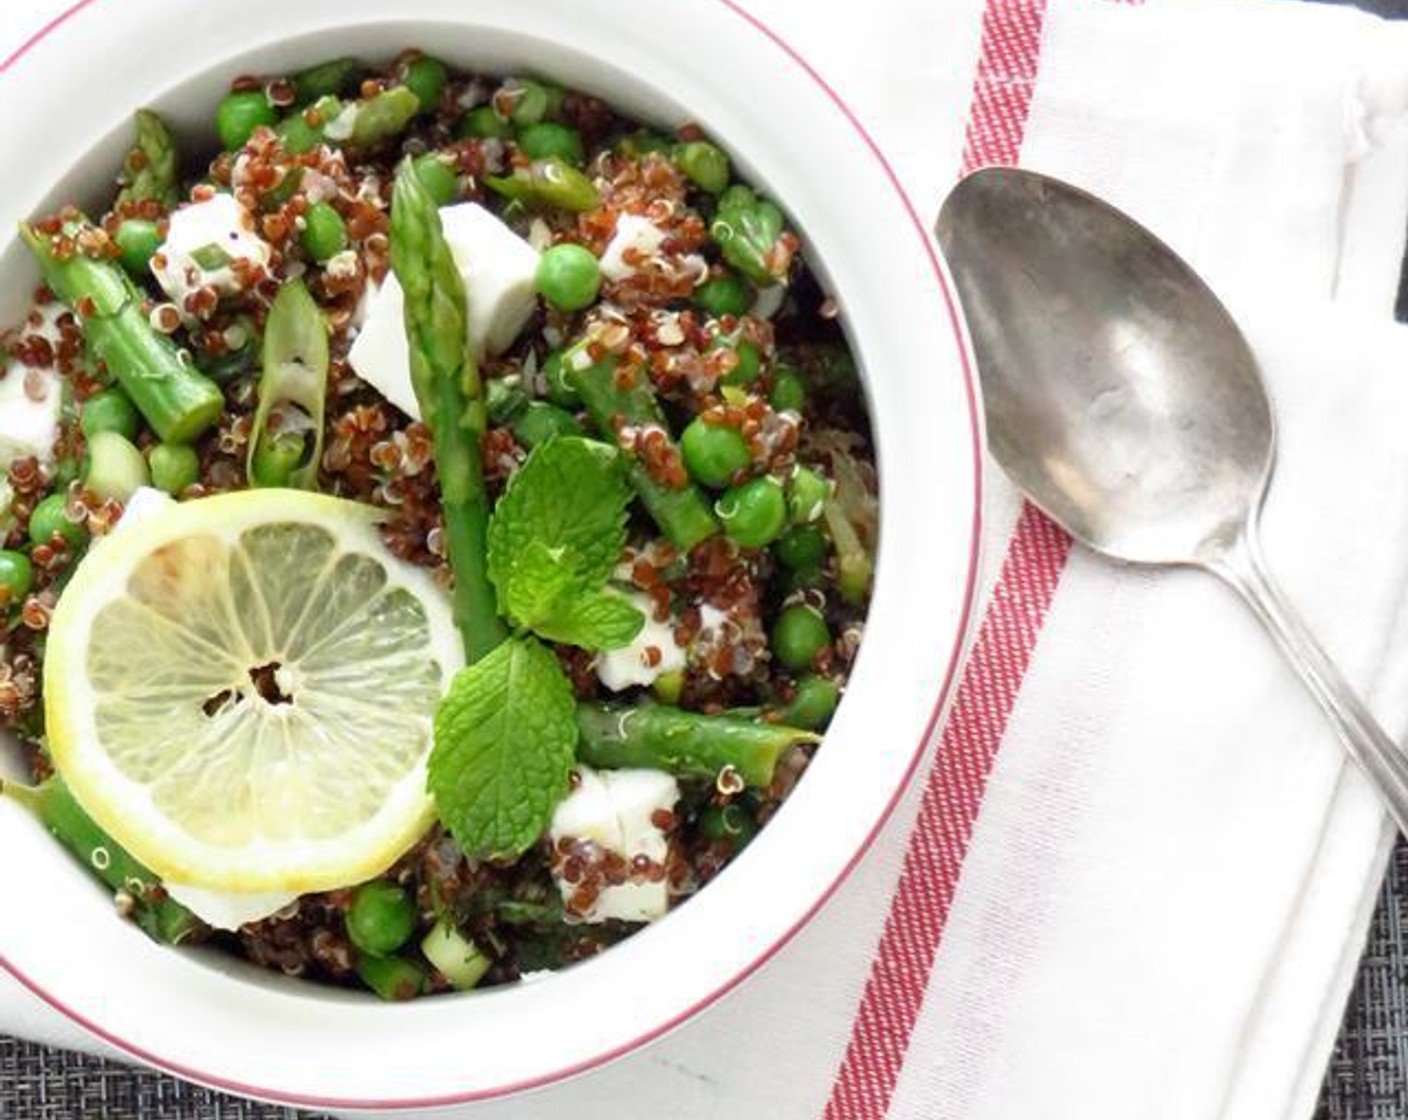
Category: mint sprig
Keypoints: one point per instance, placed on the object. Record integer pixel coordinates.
(506, 733)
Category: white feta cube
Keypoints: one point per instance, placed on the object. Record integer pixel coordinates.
(614, 810)
(30, 401)
(498, 269)
(653, 654)
(633, 232)
(203, 241)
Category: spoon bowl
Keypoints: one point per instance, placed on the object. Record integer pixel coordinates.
(1120, 395)
(1122, 399)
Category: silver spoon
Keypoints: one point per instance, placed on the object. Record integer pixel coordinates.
(1123, 400)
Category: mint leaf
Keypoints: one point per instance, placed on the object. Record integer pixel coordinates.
(505, 736)
(539, 577)
(571, 494)
(598, 620)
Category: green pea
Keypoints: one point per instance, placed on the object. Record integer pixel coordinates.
(239, 114)
(548, 138)
(642, 142)
(50, 519)
(750, 360)
(727, 294)
(438, 178)
(109, 411)
(807, 493)
(560, 389)
(483, 122)
(755, 513)
(669, 687)
(173, 466)
(540, 421)
(392, 978)
(813, 704)
(789, 389)
(713, 453)
(799, 634)
(324, 232)
(803, 546)
(275, 459)
(426, 78)
(16, 576)
(568, 276)
(139, 240)
(534, 101)
(802, 579)
(381, 918)
(705, 163)
(731, 823)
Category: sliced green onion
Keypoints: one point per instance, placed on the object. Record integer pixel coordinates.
(286, 441)
(210, 257)
(458, 958)
(115, 467)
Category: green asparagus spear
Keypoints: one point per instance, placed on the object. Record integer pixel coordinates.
(383, 116)
(177, 400)
(747, 229)
(682, 513)
(149, 171)
(367, 122)
(326, 79)
(392, 978)
(294, 381)
(684, 743)
(451, 398)
(158, 915)
(550, 183)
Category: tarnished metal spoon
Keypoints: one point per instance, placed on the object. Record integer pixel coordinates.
(1123, 400)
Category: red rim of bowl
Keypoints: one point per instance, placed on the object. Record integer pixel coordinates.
(216, 1081)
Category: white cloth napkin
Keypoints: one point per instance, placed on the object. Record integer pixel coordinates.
(1165, 895)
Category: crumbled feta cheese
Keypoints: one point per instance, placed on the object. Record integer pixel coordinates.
(613, 809)
(203, 240)
(31, 399)
(632, 232)
(228, 909)
(619, 669)
(340, 127)
(644, 239)
(498, 269)
(28, 426)
(343, 265)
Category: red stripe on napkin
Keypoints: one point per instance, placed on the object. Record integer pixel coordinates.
(865, 1083)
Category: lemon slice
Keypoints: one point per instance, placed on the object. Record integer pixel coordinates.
(240, 690)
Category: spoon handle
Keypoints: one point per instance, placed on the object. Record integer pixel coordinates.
(1243, 566)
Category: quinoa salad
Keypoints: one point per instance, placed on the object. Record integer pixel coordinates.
(436, 528)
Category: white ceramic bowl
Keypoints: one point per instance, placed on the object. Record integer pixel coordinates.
(218, 1022)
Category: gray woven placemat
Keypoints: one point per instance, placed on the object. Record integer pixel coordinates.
(1368, 1074)
(41, 1084)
